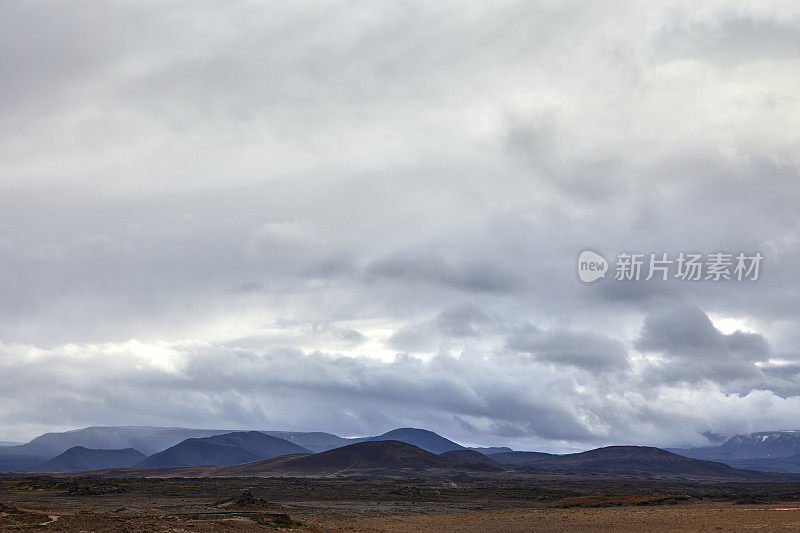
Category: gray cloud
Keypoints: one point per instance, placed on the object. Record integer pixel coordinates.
(697, 350)
(581, 349)
(199, 199)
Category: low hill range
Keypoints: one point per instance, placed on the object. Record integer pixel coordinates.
(387, 458)
(145, 439)
(520, 458)
(80, 458)
(157, 443)
(643, 460)
(410, 450)
(223, 450)
(398, 460)
(316, 441)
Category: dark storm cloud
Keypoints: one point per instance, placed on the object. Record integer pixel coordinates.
(276, 387)
(462, 321)
(695, 350)
(586, 350)
(233, 215)
(470, 275)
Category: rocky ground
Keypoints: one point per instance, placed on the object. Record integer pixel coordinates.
(257, 504)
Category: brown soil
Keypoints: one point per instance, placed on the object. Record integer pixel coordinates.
(683, 517)
(485, 505)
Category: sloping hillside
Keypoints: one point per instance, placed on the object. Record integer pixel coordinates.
(223, 450)
(372, 458)
(642, 460)
(146, 439)
(520, 458)
(421, 438)
(80, 458)
(316, 441)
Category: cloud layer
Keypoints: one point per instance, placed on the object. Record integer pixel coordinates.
(354, 217)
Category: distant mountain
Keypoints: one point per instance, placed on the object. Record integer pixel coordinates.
(491, 449)
(20, 463)
(315, 441)
(394, 459)
(368, 455)
(369, 458)
(643, 460)
(147, 440)
(80, 458)
(716, 438)
(223, 450)
(789, 465)
(764, 444)
(471, 458)
(520, 458)
(8, 443)
(150, 440)
(421, 438)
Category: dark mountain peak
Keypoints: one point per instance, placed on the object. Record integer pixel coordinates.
(82, 458)
(412, 432)
(422, 438)
(241, 438)
(520, 458)
(739, 450)
(469, 457)
(316, 441)
(146, 439)
(83, 449)
(642, 460)
(624, 451)
(223, 450)
(369, 458)
(486, 450)
(374, 454)
(766, 443)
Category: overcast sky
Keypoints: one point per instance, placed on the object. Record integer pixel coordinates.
(354, 216)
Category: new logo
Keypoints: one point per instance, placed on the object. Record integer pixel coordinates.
(591, 266)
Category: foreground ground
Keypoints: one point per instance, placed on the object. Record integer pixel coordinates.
(258, 504)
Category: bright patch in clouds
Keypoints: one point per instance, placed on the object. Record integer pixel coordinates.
(387, 200)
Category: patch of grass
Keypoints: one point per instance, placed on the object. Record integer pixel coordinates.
(29, 485)
(616, 500)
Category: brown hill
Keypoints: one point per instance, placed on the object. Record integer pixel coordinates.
(393, 459)
(520, 458)
(644, 460)
(471, 458)
(374, 458)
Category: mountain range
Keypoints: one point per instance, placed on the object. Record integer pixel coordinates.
(643, 460)
(316, 441)
(769, 451)
(80, 458)
(223, 450)
(394, 459)
(520, 458)
(740, 456)
(148, 440)
(80, 449)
